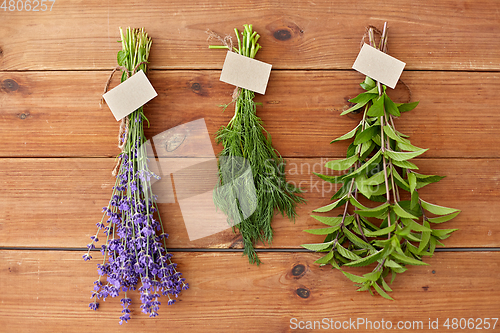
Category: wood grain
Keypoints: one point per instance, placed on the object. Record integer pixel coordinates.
(58, 149)
(57, 113)
(444, 35)
(57, 202)
(44, 290)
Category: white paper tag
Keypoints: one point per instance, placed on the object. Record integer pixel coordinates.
(379, 66)
(130, 95)
(245, 72)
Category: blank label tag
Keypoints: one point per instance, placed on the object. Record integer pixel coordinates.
(245, 72)
(130, 95)
(379, 66)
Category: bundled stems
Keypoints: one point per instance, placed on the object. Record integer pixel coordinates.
(135, 248)
(395, 232)
(252, 173)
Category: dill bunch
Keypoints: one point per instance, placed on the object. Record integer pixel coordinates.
(250, 201)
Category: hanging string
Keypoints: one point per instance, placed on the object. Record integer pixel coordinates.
(124, 124)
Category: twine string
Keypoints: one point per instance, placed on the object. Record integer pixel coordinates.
(125, 122)
(227, 41)
(370, 29)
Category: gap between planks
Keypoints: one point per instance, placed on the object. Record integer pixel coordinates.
(290, 250)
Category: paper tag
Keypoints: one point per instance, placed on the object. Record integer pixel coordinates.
(130, 95)
(245, 72)
(379, 66)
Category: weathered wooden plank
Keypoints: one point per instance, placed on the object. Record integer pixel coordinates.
(297, 35)
(57, 202)
(57, 113)
(46, 291)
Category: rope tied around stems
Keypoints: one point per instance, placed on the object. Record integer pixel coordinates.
(369, 30)
(124, 124)
(226, 41)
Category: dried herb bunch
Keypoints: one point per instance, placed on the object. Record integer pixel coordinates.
(245, 144)
(377, 167)
(135, 248)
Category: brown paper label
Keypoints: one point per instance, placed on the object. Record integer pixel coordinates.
(379, 66)
(245, 72)
(130, 95)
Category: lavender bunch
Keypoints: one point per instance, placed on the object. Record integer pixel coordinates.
(135, 249)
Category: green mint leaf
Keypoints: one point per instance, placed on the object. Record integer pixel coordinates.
(342, 164)
(401, 212)
(348, 135)
(331, 206)
(368, 84)
(323, 231)
(328, 220)
(405, 164)
(438, 210)
(377, 108)
(324, 260)
(330, 179)
(444, 218)
(364, 97)
(318, 246)
(368, 260)
(355, 278)
(346, 253)
(382, 292)
(407, 260)
(366, 135)
(405, 107)
(403, 156)
(442, 233)
(390, 106)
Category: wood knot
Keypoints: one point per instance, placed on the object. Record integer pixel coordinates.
(303, 292)
(298, 271)
(425, 288)
(23, 115)
(199, 88)
(282, 34)
(237, 243)
(1, 52)
(285, 29)
(196, 87)
(10, 85)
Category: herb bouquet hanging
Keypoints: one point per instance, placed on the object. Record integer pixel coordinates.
(135, 249)
(246, 142)
(397, 230)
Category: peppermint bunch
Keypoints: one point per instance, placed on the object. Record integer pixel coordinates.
(250, 202)
(397, 228)
(134, 253)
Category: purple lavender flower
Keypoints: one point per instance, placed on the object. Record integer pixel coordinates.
(135, 247)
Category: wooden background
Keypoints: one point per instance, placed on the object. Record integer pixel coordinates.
(59, 146)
